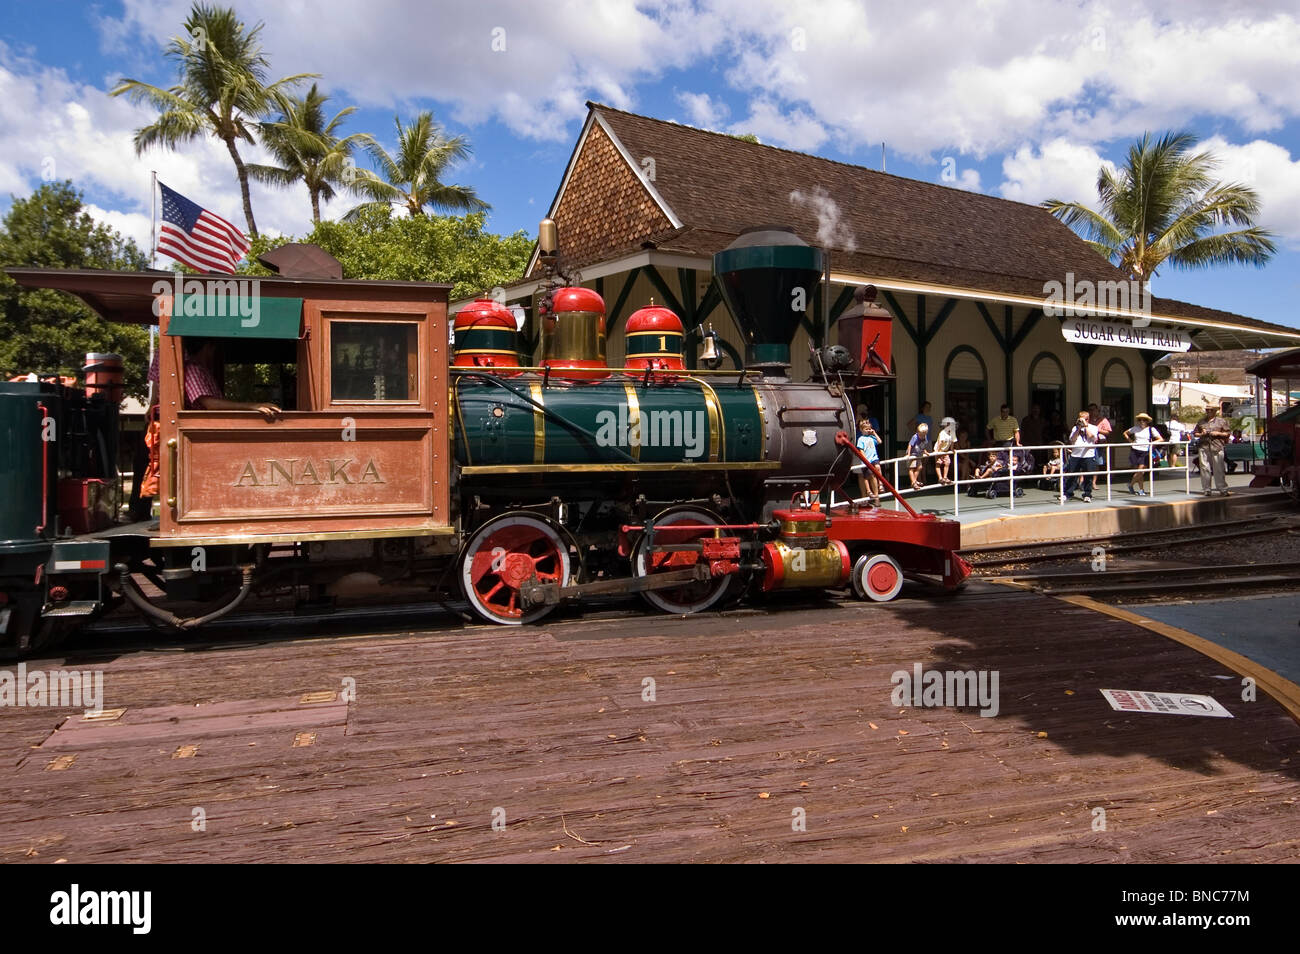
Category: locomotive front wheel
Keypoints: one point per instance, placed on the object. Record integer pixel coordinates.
(877, 576)
(692, 597)
(505, 554)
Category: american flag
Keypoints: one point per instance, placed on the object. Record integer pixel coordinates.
(197, 237)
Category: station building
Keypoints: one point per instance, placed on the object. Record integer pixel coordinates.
(970, 279)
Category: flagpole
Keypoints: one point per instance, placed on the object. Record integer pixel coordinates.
(153, 220)
(153, 263)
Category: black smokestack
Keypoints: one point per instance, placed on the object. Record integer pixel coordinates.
(767, 278)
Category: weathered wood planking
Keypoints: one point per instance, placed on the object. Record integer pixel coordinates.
(755, 715)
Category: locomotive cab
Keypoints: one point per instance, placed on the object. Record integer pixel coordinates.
(357, 446)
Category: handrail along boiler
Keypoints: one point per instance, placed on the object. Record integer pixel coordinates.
(402, 465)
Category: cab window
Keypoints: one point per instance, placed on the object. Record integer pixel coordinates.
(374, 361)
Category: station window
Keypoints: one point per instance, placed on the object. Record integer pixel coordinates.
(374, 361)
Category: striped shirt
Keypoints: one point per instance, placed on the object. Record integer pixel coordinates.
(198, 382)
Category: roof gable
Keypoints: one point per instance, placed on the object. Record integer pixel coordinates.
(605, 201)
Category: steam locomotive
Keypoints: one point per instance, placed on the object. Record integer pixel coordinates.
(527, 487)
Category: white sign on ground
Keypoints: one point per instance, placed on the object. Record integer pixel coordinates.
(1119, 334)
(1170, 703)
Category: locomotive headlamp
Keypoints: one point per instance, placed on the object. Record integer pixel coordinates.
(547, 238)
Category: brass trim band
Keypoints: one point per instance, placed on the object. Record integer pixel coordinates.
(715, 417)
(539, 423)
(250, 538)
(634, 419)
(762, 424)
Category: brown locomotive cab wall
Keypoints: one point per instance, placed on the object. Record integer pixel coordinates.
(364, 452)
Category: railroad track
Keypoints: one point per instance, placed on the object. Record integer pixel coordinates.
(996, 555)
(1164, 580)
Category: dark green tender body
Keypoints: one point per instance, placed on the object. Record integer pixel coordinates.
(20, 463)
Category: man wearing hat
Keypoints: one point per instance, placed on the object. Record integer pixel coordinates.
(1213, 433)
(1143, 437)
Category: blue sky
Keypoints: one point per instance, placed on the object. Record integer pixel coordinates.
(1020, 100)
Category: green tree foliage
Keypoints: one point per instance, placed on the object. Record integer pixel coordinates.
(51, 331)
(380, 245)
(1164, 205)
(413, 177)
(222, 90)
(307, 149)
(1207, 377)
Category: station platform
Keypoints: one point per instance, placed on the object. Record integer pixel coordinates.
(1038, 515)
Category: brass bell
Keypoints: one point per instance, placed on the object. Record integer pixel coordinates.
(710, 355)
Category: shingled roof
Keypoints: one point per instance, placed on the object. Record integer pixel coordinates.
(889, 227)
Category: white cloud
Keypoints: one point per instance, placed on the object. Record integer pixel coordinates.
(1059, 169)
(795, 129)
(1268, 169)
(701, 109)
(531, 65)
(132, 225)
(57, 129)
(1053, 81)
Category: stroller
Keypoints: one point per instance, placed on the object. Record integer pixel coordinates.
(1021, 460)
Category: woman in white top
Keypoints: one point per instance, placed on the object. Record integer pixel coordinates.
(1143, 437)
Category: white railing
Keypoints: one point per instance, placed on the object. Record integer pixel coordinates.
(1011, 478)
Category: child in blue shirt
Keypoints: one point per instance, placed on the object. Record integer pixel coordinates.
(916, 449)
(869, 444)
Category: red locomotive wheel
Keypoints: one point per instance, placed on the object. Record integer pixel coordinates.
(878, 577)
(503, 555)
(693, 597)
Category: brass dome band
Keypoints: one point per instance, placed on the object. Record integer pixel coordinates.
(575, 336)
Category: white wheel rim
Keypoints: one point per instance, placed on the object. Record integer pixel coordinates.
(872, 579)
(482, 569)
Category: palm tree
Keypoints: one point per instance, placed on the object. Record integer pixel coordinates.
(308, 151)
(222, 90)
(412, 177)
(1163, 205)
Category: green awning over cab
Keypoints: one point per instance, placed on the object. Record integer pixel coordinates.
(236, 316)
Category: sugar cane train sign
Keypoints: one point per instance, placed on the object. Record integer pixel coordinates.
(1119, 334)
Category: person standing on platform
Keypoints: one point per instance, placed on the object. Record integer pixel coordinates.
(1177, 434)
(1104, 428)
(1213, 432)
(916, 449)
(922, 417)
(869, 444)
(1143, 437)
(944, 443)
(1004, 430)
(1032, 428)
(1082, 441)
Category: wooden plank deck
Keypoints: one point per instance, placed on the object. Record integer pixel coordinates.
(756, 715)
